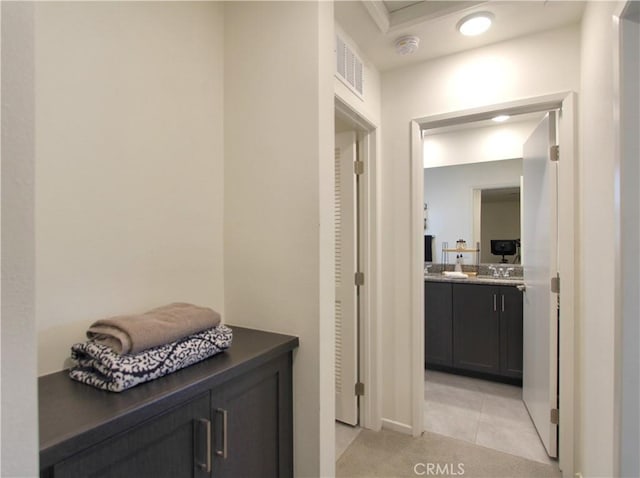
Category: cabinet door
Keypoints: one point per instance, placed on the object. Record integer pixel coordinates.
(253, 435)
(438, 324)
(476, 328)
(511, 332)
(165, 446)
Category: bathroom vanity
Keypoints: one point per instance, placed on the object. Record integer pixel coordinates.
(474, 326)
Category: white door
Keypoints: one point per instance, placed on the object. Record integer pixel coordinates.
(539, 241)
(346, 366)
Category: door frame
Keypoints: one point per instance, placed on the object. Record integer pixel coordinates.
(369, 333)
(567, 254)
(626, 119)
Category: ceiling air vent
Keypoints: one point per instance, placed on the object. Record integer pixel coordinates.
(349, 67)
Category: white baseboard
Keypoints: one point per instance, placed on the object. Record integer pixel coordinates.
(397, 426)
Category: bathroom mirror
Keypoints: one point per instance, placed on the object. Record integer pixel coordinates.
(496, 224)
(476, 202)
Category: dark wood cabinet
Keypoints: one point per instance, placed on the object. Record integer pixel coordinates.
(252, 426)
(438, 328)
(162, 447)
(228, 416)
(511, 332)
(474, 328)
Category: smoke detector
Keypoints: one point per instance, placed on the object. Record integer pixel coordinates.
(407, 44)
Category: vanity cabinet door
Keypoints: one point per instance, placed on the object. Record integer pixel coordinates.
(476, 328)
(253, 423)
(438, 323)
(510, 332)
(172, 445)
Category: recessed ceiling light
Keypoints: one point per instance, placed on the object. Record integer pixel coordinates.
(407, 44)
(475, 24)
(500, 118)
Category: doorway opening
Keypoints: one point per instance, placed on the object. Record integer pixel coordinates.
(562, 399)
(357, 366)
(474, 348)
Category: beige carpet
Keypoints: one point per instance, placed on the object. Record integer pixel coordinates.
(391, 454)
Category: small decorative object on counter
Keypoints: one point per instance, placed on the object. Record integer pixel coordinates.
(458, 267)
(461, 244)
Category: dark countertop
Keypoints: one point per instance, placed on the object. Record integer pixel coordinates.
(438, 277)
(70, 411)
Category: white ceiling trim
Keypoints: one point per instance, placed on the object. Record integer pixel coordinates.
(414, 14)
(427, 11)
(379, 14)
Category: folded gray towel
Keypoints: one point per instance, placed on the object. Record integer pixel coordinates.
(130, 334)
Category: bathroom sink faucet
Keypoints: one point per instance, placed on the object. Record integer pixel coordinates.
(501, 271)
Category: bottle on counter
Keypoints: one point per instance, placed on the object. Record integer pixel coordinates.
(458, 267)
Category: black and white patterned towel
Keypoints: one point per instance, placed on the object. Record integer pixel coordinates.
(101, 367)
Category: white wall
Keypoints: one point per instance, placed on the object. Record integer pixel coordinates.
(278, 228)
(595, 340)
(476, 145)
(530, 66)
(129, 153)
(19, 403)
(448, 191)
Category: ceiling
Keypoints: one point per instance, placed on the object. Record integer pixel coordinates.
(375, 25)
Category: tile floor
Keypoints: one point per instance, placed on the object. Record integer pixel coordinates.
(478, 411)
(345, 434)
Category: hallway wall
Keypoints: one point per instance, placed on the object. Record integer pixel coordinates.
(278, 230)
(18, 388)
(596, 328)
(129, 163)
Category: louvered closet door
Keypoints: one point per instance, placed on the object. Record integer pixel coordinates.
(346, 263)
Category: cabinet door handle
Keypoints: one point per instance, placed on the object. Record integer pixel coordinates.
(223, 452)
(206, 466)
(502, 302)
(495, 308)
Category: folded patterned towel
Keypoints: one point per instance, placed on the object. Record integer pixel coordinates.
(98, 365)
(130, 334)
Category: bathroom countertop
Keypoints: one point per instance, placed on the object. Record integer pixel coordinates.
(438, 277)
